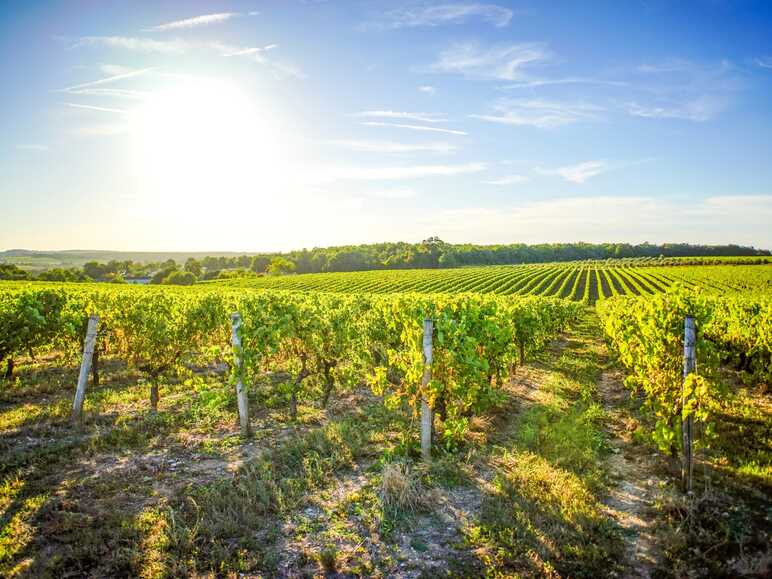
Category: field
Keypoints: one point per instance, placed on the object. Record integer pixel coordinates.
(556, 448)
(578, 281)
(36, 261)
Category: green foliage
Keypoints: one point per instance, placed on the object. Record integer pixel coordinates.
(585, 281)
(178, 277)
(475, 340)
(280, 266)
(648, 336)
(11, 271)
(29, 319)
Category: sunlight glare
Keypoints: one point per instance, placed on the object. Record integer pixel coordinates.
(203, 144)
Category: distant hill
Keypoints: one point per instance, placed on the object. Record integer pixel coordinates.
(40, 260)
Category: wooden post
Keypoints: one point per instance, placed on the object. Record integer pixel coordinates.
(427, 415)
(241, 392)
(85, 367)
(687, 426)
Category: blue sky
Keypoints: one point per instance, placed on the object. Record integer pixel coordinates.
(264, 125)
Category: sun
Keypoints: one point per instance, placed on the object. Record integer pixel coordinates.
(204, 141)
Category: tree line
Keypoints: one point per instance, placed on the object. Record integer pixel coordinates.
(430, 253)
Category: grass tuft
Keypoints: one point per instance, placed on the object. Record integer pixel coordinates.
(401, 489)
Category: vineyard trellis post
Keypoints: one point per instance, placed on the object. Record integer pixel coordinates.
(241, 392)
(85, 367)
(690, 365)
(427, 415)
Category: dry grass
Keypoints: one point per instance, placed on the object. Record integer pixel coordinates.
(401, 489)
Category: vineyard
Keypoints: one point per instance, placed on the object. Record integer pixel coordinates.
(460, 422)
(587, 282)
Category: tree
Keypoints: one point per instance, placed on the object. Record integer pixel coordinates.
(162, 274)
(178, 277)
(280, 266)
(193, 266)
(94, 270)
(11, 271)
(259, 263)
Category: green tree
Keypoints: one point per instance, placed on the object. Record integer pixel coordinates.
(193, 266)
(259, 263)
(178, 277)
(280, 266)
(11, 271)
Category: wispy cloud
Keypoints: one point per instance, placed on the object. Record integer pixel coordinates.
(109, 79)
(415, 128)
(94, 108)
(193, 22)
(718, 219)
(251, 50)
(440, 14)
(258, 54)
(580, 172)
(702, 108)
(427, 89)
(507, 180)
(538, 113)
(137, 44)
(500, 62)
(764, 62)
(406, 116)
(111, 92)
(681, 89)
(32, 147)
(539, 82)
(179, 46)
(393, 146)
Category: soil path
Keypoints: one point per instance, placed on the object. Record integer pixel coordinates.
(631, 498)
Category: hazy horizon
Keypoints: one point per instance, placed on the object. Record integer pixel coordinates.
(277, 126)
(216, 252)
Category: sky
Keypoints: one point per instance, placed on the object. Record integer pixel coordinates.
(274, 125)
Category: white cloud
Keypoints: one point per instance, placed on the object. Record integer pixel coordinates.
(393, 146)
(193, 22)
(680, 89)
(111, 92)
(441, 14)
(703, 108)
(580, 172)
(539, 82)
(415, 127)
(501, 62)
(538, 113)
(32, 147)
(250, 50)
(137, 44)
(420, 117)
(93, 108)
(258, 54)
(178, 46)
(121, 75)
(717, 220)
(427, 89)
(764, 62)
(507, 180)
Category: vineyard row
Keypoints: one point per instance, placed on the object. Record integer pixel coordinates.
(582, 282)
